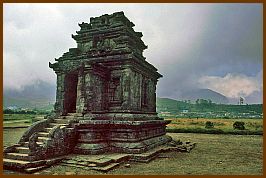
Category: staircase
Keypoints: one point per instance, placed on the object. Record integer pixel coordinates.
(19, 157)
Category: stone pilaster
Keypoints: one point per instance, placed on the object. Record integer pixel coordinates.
(94, 90)
(80, 92)
(151, 96)
(88, 87)
(59, 104)
(135, 90)
(126, 92)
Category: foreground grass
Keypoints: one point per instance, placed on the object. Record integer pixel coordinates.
(221, 126)
(12, 136)
(213, 155)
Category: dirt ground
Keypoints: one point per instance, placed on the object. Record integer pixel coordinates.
(213, 155)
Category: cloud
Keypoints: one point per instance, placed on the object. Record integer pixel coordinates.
(31, 40)
(233, 85)
(185, 41)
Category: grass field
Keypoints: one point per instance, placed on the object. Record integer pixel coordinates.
(8, 117)
(20, 120)
(213, 155)
(12, 135)
(252, 126)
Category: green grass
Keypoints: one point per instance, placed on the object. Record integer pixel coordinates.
(214, 131)
(221, 126)
(20, 120)
(213, 155)
(8, 117)
(12, 135)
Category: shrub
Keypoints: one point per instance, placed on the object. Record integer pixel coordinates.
(209, 125)
(239, 125)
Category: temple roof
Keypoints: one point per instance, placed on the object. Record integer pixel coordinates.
(106, 38)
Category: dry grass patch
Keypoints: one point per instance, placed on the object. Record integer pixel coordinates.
(225, 125)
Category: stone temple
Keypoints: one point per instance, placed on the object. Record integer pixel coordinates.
(105, 99)
(108, 82)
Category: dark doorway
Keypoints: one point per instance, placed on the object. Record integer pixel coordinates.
(70, 97)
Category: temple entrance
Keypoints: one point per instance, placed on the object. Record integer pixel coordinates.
(70, 97)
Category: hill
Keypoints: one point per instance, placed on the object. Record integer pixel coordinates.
(204, 106)
(39, 95)
(204, 94)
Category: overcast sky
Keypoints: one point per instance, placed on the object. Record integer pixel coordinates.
(214, 46)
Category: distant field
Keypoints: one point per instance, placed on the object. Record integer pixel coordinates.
(178, 125)
(252, 126)
(18, 116)
(20, 120)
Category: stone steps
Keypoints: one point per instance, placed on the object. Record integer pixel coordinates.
(20, 160)
(57, 124)
(47, 129)
(17, 164)
(107, 167)
(43, 134)
(18, 156)
(35, 169)
(43, 139)
(26, 144)
(22, 149)
(30, 166)
(61, 121)
(68, 117)
(75, 114)
(16, 161)
(20, 164)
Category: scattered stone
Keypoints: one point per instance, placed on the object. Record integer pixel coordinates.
(70, 173)
(127, 165)
(175, 143)
(220, 162)
(92, 165)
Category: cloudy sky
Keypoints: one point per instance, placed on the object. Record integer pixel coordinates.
(214, 46)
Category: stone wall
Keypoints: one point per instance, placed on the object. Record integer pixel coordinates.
(97, 136)
(138, 91)
(94, 90)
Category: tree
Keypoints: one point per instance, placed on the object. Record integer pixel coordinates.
(241, 101)
(239, 125)
(209, 125)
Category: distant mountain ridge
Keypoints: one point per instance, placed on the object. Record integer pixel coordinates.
(38, 95)
(43, 93)
(206, 94)
(174, 106)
